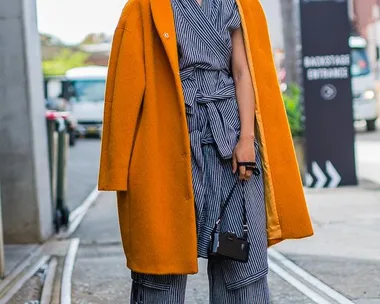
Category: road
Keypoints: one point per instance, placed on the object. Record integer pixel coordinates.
(343, 254)
(83, 166)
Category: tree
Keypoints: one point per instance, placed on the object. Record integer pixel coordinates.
(290, 40)
(94, 38)
(49, 40)
(65, 60)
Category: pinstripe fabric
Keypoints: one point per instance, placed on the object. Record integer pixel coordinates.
(144, 291)
(255, 293)
(155, 289)
(205, 48)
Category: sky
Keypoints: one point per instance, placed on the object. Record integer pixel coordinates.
(72, 20)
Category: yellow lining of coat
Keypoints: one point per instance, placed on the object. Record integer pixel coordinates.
(273, 223)
(274, 232)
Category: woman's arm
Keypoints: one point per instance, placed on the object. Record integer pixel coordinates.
(245, 150)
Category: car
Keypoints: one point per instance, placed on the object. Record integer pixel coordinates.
(365, 104)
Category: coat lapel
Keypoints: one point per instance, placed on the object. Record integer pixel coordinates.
(199, 20)
(164, 21)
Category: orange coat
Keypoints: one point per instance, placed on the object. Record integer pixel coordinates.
(146, 150)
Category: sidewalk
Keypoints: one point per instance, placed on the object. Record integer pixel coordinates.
(345, 250)
(346, 223)
(344, 253)
(14, 254)
(82, 178)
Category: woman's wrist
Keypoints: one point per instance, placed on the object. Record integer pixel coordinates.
(247, 136)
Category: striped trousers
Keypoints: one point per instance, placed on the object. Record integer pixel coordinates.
(170, 289)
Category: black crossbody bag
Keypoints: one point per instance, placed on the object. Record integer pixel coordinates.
(227, 245)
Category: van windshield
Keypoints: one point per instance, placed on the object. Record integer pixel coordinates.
(360, 63)
(89, 90)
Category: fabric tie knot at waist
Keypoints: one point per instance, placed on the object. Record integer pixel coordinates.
(220, 106)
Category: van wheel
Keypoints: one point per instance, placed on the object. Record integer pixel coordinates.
(371, 125)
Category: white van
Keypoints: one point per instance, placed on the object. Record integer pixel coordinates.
(363, 84)
(84, 88)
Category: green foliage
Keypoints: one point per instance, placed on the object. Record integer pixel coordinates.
(49, 40)
(292, 100)
(65, 60)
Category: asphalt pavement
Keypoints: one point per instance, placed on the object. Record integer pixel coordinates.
(344, 254)
(82, 172)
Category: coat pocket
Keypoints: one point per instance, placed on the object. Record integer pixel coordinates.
(159, 282)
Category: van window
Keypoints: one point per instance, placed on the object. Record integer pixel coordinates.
(89, 90)
(360, 63)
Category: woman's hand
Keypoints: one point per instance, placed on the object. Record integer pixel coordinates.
(243, 152)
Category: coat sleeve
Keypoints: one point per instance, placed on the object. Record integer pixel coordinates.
(123, 98)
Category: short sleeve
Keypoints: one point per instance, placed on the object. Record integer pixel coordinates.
(234, 21)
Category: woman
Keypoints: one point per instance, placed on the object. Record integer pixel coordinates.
(192, 110)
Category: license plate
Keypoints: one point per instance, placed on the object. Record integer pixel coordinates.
(92, 130)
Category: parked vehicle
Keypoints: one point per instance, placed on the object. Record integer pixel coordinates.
(81, 92)
(84, 88)
(365, 103)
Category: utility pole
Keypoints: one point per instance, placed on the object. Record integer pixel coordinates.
(290, 41)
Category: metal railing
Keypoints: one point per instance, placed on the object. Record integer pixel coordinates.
(58, 145)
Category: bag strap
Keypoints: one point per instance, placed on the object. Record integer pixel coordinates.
(226, 202)
(256, 172)
(224, 207)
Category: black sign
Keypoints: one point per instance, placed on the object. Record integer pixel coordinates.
(329, 128)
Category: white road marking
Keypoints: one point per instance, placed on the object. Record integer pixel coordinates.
(47, 289)
(312, 295)
(307, 277)
(23, 279)
(68, 271)
(77, 215)
(19, 269)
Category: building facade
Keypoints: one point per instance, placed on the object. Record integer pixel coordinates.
(366, 16)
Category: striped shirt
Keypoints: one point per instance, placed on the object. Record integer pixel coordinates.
(205, 50)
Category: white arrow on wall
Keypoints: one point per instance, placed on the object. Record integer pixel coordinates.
(335, 177)
(309, 179)
(321, 177)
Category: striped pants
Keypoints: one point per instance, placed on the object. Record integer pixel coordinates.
(170, 289)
